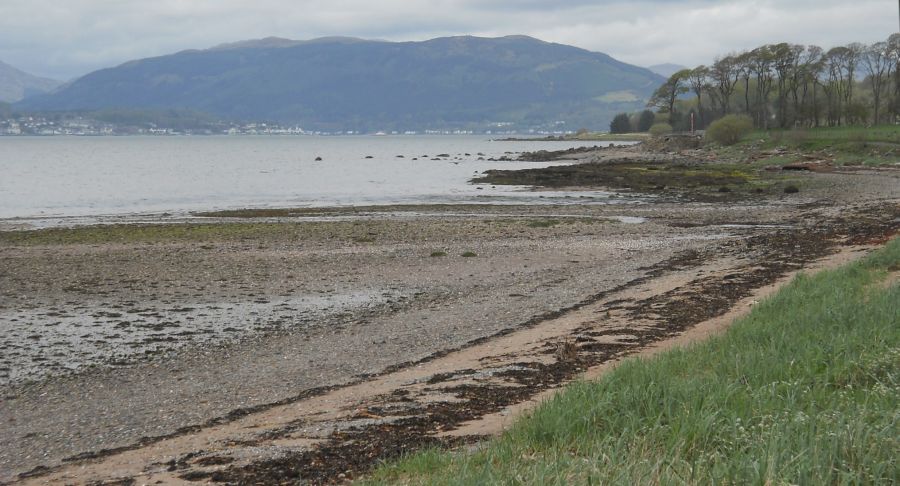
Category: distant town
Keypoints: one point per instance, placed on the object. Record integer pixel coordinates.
(37, 125)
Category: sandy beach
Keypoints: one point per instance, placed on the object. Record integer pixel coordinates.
(238, 348)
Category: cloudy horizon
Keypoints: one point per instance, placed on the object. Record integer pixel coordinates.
(73, 38)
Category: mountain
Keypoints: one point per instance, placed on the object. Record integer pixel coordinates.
(666, 69)
(16, 85)
(341, 83)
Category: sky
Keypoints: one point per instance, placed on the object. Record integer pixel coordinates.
(64, 39)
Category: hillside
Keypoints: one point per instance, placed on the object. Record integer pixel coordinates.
(351, 84)
(16, 85)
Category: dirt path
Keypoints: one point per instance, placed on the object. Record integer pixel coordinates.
(462, 396)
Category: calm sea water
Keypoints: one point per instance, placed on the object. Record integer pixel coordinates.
(73, 176)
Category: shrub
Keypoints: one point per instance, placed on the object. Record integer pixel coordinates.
(469, 254)
(729, 129)
(438, 253)
(791, 189)
(660, 129)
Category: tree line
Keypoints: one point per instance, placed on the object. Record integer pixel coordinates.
(790, 85)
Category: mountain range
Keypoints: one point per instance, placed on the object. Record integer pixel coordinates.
(16, 85)
(340, 83)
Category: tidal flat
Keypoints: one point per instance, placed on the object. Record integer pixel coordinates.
(119, 336)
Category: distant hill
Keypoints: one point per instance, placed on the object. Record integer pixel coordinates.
(16, 85)
(351, 84)
(667, 69)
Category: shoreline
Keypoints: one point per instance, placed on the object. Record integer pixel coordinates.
(483, 194)
(532, 263)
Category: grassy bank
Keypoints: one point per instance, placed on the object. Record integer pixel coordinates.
(802, 391)
(871, 146)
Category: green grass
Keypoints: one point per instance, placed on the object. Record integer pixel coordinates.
(875, 146)
(871, 146)
(438, 253)
(804, 390)
(469, 254)
(829, 136)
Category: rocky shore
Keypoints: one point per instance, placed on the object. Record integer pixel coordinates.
(119, 339)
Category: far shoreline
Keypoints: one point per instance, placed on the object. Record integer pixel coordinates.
(590, 137)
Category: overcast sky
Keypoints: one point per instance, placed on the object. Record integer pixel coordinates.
(68, 38)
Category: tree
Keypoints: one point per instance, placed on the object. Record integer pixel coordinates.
(854, 55)
(893, 46)
(645, 121)
(785, 59)
(664, 97)
(761, 60)
(725, 73)
(833, 85)
(745, 69)
(791, 85)
(808, 65)
(697, 79)
(876, 59)
(620, 124)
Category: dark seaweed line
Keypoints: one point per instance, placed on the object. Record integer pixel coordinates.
(350, 453)
(653, 272)
(870, 229)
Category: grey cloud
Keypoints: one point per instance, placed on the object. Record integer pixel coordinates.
(68, 38)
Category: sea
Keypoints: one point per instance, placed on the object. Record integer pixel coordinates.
(53, 179)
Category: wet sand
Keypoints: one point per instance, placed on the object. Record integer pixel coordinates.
(114, 339)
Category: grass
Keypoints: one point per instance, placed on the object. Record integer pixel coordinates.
(872, 146)
(825, 137)
(469, 254)
(438, 253)
(804, 390)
